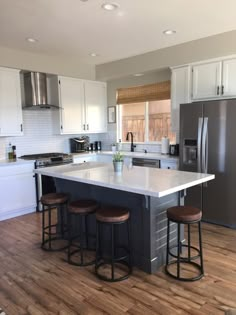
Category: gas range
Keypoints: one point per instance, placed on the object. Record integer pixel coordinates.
(49, 159)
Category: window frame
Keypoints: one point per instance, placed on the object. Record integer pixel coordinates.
(146, 131)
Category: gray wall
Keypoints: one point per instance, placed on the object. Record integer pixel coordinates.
(44, 63)
(205, 48)
(148, 78)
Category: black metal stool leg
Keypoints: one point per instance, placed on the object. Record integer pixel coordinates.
(43, 226)
(62, 220)
(50, 228)
(81, 240)
(112, 251)
(69, 236)
(168, 240)
(200, 246)
(189, 244)
(129, 244)
(97, 245)
(86, 230)
(178, 259)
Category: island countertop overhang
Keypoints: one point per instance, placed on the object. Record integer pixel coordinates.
(140, 180)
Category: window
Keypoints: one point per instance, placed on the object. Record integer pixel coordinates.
(145, 111)
(149, 121)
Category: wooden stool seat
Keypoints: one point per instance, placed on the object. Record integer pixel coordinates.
(112, 214)
(184, 214)
(82, 206)
(54, 198)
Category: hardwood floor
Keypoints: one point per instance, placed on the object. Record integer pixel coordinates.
(37, 282)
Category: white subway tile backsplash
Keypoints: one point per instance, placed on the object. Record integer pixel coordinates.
(39, 138)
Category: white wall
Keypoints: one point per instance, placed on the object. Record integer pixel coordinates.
(50, 64)
(209, 47)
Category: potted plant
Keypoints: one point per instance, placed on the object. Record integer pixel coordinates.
(118, 161)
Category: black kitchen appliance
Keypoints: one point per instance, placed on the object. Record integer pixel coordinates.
(78, 145)
(174, 149)
(98, 145)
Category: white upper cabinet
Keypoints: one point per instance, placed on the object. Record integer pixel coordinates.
(95, 106)
(214, 80)
(229, 78)
(83, 106)
(10, 103)
(180, 93)
(71, 97)
(206, 80)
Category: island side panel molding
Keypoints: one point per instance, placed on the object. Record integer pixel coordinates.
(158, 228)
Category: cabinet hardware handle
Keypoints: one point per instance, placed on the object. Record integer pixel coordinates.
(21, 127)
(61, 127)
(218, 90)
(87, 126)
(222, 89)
(83, 126)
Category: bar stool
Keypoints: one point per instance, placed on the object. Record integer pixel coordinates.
(113, 218)
(81, 209)
(184, 215)
(50, 201)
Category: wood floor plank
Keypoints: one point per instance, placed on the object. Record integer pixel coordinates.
(35, 282)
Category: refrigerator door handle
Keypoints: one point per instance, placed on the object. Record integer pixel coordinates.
(199, 145)
(205, 145)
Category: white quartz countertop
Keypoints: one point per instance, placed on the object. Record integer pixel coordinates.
(141, 180)
(142, 155)
(5, 162)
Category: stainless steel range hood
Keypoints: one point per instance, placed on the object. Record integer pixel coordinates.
(35, 88)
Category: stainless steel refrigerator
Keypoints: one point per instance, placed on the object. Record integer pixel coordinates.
(208, 145)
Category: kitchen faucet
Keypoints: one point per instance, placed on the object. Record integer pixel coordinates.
(132, 146)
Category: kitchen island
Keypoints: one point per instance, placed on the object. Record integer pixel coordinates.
(147, 192)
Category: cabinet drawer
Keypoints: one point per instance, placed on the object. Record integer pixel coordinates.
(169, 165)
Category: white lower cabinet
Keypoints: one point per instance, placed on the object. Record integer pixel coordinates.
(17, 190)
(166, 164)
(83, 159)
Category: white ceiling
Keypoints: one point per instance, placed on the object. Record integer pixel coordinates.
(72, 28)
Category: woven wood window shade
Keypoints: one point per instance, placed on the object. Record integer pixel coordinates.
(144, 93)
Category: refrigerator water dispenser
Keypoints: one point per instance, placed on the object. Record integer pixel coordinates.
(190, 151)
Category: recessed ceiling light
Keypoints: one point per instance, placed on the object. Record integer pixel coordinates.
(169, 32)
(138, 74)
(110, 6)
(93, 55)
(31, 40)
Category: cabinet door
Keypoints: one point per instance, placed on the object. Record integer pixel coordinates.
(10, 103)
(169, 165)
(96, 106)
(180, 93)
(71, 95)
(207, 80)
(18, 196)
(229, 78)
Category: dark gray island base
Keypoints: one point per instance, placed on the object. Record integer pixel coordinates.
(148, 219)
